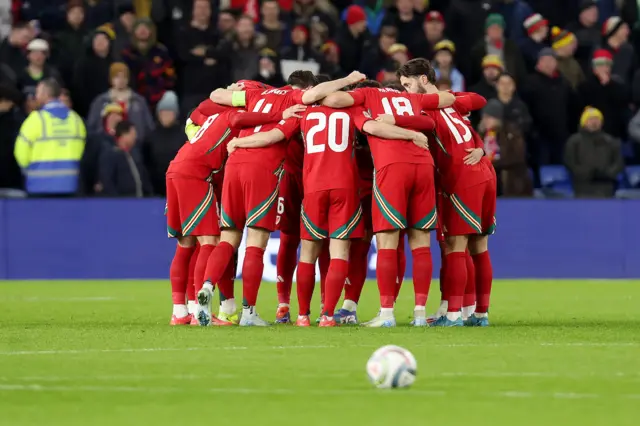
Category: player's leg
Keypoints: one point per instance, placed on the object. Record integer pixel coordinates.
(179, 275)
(323, 267)
(402, 264)
(469, 299)
(191, 292)
(442, 309)
(228, 309)
(390, 193)
(252, 269)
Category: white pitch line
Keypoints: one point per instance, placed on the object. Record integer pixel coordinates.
(58, 299)
(281, 391)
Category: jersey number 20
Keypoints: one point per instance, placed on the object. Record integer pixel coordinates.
(454, 123)
(334, 144)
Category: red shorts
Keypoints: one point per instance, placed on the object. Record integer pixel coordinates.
(366, 211)
(290, 196)
(249, 195)
(470, 211)
(404, 197)
(334, 213)
(191, 208)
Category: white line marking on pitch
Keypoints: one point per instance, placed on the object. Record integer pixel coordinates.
(256, 391)
(58, 299)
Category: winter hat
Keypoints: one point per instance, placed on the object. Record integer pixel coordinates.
(494, 109)
(74, 3)
(107, 30)
(355, 14)
(125, 8)
(328, 45)
(168, 102)
(397, 47)
(561, 38)
(494, 19)
(434, 15)
(611, 26)
(112, 108)
(445, 45)
(493, 61)
(116, 68)
(586, 4)
(602, 57)
(303, 28)
(590, 112)
(268, 53)
(534, 22)
(38, 45)
(547, 51)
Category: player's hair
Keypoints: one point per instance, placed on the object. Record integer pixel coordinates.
(123, 127)
(416, 68)
(322, 78)
(301, 79)
(53, 88)
(394, 85)
(369, 83)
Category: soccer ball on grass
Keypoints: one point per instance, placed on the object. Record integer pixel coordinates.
(392, 367)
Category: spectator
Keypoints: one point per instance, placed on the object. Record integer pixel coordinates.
(91, 75)
(466, 18)
(634, 135)
(616, 35)
(149, 62)
(504, 145)
(245, 48)
(97, 142)
(134, 106)
(10, 120)
(51, 169)
(203, 67)
(537, 31)
(227, 22)
(377, 55)
(399, 54)
(407, 21)
(387, 74)
(36, 71)
(300, 48)
(515, 13)
(12, 48)
(564, 43)
(492, 66)
(605, 92)
(587, 32)
(121, 170)
(65, 98)
(274, 29)
(123, 28)
(494, 43)
(353, 39)
(331, 62)
(593, 157)
(68, 44)
(269, 69)
(376, 12)
(444, 64)
(98, 13)
(550, 100)
(433, 29)
(514, 109)
(163, 142)
(443, 84)
(316, 11)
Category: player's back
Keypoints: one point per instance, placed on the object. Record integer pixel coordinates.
(206, 152)
(388, 101)
(329, 161)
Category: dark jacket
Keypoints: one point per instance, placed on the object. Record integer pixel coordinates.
(351, 48)
(122, 174)
(97, 143)
(159, 148)
(10, 174)
(511, 163)
(197, 77)
(516, 111)
(612, 100)
(625, 62)
(245, 58)
(465, 24)
(409, 32)
(27, 84)
(373, 61)
(15, 57)
(571, 70)
(90, 79)
(68, 46)
(588, 38)
(594, 160)
(138, 113)
(487, 91)
(512, 58)
(301, 53)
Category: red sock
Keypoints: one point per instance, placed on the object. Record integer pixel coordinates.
(422, 271)
(252, 275)
(456, 275)
(470, 289)
(484, 279)
(191, 292)
(217, 262)
(179, 274)
(201, 266)
(402, 265)
(358, 266)
(338, 270)
(387, 274)
(323, 265)
(226, 283)
(286, 265)
(305, 282)
(443, 279)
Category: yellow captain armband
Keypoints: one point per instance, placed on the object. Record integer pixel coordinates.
(191, 129)
(239, 98)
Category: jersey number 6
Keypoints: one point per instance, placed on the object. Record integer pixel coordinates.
(332, 136)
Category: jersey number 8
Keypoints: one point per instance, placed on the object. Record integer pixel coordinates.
(332, 136)
(454, 123)
(204, 128)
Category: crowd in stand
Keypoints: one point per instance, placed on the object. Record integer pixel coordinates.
(562, 79)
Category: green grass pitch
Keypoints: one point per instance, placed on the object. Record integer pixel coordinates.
(101, 353)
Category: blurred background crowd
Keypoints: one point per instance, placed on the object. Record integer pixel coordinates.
(106, 84)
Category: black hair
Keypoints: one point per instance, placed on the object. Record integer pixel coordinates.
(123, 127)
(369, 83)
(301, 79)
(395, 85)
(322, 78)
(416, 68)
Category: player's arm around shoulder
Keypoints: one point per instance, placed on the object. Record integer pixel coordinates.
(327, 88)
(231, 96)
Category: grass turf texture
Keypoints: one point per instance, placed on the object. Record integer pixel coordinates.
(101, 353)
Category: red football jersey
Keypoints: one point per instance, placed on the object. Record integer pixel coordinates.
(206, 152)
(453, 136)
(295, 156)
(265, 101)
(392, 102)
(365, 169)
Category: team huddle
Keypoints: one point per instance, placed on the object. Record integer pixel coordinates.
(330, 164)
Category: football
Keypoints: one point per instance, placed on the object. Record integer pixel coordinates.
(392, 367)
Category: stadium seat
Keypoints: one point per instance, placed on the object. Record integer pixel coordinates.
(628, 194)
(12, 193)
(622, 182)
(633, 176)
(557, 179)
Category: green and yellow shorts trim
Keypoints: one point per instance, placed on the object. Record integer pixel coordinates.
(468, 213)
(312, 231)
(193, 220)
(347, 230)
(391, 215)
